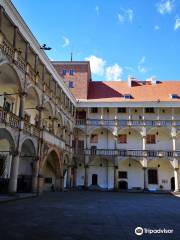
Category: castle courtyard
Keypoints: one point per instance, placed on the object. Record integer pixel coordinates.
(90, 215)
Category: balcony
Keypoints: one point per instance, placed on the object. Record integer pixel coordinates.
(9, 50)
(128, 153)
(9, 118)
(125, 123)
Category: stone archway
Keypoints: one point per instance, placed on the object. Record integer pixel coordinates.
(51, 172)
(26, 166)
(7, 148)
(32, 103)
(10, 88)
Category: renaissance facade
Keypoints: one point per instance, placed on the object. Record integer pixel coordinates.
(59, 129)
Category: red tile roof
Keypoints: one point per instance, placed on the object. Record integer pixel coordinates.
(115, 91)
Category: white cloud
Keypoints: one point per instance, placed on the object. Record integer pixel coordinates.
(141, 67)
(97, 10)
(165, 6)
(177, 23)
(156, 28)
(126, 15)
(130, 15)
(120, 18)
(114, 72)
(66, 42)
(142, 60)
(97, 65)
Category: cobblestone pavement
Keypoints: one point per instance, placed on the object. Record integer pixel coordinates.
(90, 215)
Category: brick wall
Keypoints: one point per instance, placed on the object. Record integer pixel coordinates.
(80, 78)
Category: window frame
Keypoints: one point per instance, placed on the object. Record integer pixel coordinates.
(151, 139)
(71, 71)
(148, 110)
(150, 181)
(123, 174)
(122, 139)
(119, 110)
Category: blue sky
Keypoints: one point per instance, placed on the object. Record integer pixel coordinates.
(120, 37)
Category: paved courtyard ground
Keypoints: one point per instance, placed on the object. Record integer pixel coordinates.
(90, 215)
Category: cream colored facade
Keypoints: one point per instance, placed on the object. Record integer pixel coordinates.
(42, 144)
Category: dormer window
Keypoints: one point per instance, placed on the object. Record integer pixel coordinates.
(71, 84)
(64, 72)
(174, 96)
(71, 72)
(127, 96)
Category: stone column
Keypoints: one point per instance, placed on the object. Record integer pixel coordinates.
(145, 178)
(176, 178)
(40, 184)
(129, 112)
(14, 174)
(62, 183)
(172, 114)
(158, 115)
(68, 185)
(176, 175)
(75, 177)
(115, 178)
(35, 176)
(86, 175)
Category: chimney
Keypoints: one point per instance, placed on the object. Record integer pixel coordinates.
(152, 80)
(130, 80)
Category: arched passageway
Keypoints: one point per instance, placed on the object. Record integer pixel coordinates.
(26, 163)
(51, 172)
(7, 147)
(10, 88)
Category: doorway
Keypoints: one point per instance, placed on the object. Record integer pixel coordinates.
(172, 184)
(94, 179)
(123, 185)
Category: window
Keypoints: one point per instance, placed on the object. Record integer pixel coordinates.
(122, 174)
(93, 150)
(7, 106)
(80, 144)
(174, 96)
(152, 176)
(151, 139)
(122, 138)
(128, 96)
(71, 72)
(48, 180)
(121, 110)
(94, 138)
(94, 110)
(149, 110)
(71, 84)
(2, 165)
(64, 72)
(27, 117)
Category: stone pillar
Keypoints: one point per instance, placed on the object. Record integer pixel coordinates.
(115, 178)
(40, 184)
(129, 112)
(86, 175)
(75, 177)
(145, 178)
(102, 113)
(172, 114)
(35, 176)
(176, 175)
(158, 115)
(68, 185)
(176, 179)
(143, 113)
(61, 183)
(14, 174)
